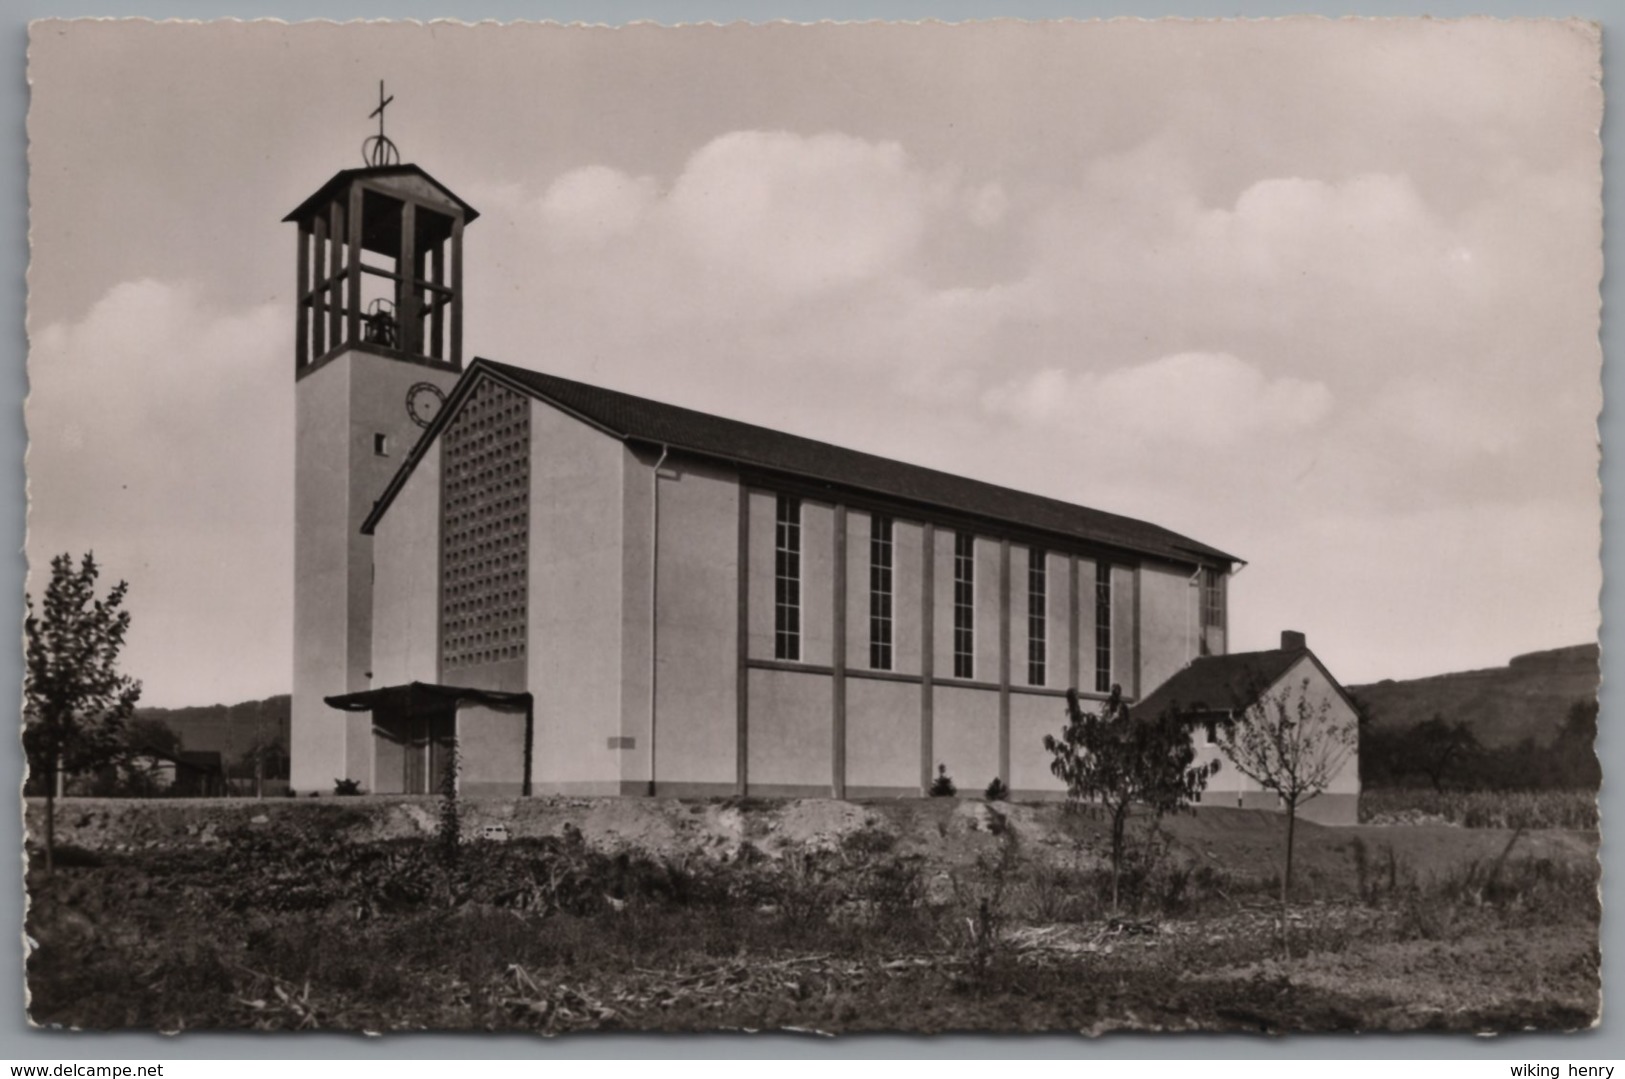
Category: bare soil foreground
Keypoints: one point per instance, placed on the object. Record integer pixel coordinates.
(558, 915)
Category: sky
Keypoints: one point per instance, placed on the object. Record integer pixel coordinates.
(1323, 294)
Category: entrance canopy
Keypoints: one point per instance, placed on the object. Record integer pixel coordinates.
(417, 698)
(419, 737)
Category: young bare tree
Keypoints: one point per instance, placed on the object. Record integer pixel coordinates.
(75, 701)
(1115, 760)
(1287, 743)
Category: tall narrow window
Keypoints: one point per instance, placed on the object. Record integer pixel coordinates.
(880, 593)
(1103, 627)
(1212, 598)
(964, 605)
(787, 579)
(1037, 616)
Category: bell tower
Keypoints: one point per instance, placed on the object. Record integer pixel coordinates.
(378, 343)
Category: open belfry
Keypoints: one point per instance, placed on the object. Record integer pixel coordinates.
(590, 592)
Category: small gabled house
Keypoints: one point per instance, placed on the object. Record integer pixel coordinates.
(1215, 690)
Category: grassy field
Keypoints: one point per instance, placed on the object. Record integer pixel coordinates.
(921, 916)
(1572, 809)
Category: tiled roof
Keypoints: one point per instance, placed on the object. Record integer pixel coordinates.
(1221, 683)
(684, 429)
(324, 194)
(765, 448)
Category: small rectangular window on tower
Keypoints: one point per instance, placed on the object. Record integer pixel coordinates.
(380, 445)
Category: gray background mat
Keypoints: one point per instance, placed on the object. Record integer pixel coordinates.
(18, 1042)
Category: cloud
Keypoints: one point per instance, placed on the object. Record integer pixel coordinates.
(766, 249)
(1205, 399)
(161, 436)
(1449, 420)
(1370, 235)
(596, 203)
(763, 218)
(1291, 257)
(803, 213)
(987, 205)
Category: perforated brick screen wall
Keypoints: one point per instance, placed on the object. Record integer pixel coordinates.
(485, 528)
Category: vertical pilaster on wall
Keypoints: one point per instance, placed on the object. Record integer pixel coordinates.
(1135, 672)
(319, 298)
(440, 571)
(301, 306)
(457, 292)
(838, 688)
(530, 741)
(437, 318)
(335, 274)
(928, 651)
(352, 272)
(406, 289)
(1004, 662)
(742, 684)
(1072, 671)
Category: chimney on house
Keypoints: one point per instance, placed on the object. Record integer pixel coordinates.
(1293, 641)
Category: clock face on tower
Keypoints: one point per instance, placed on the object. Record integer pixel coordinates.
(423, 403)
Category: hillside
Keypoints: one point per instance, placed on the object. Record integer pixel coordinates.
(229, 729)
(1503, 705)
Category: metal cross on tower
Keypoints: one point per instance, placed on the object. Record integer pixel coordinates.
(378, 149)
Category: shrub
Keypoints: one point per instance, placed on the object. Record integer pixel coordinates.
(981, 902)
(345, 786)
(449, 827)
(942, 786)
(1054, 894)
(997, 791)
(1173, 889)
(868, 842)
(805, 890)
(1210, 883)
(894, 887)
(1378, 875)
(1113, 760)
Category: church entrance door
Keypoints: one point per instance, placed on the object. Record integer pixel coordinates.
(428, 750)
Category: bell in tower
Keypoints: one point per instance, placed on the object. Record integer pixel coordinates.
(378, 345)
(380, 262)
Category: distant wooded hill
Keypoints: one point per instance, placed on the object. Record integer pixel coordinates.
(1528, 698)
(229, 729)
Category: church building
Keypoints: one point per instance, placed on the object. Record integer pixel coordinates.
(589, 592)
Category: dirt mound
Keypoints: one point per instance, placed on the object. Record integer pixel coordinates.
(718, 829)
(945, 833)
